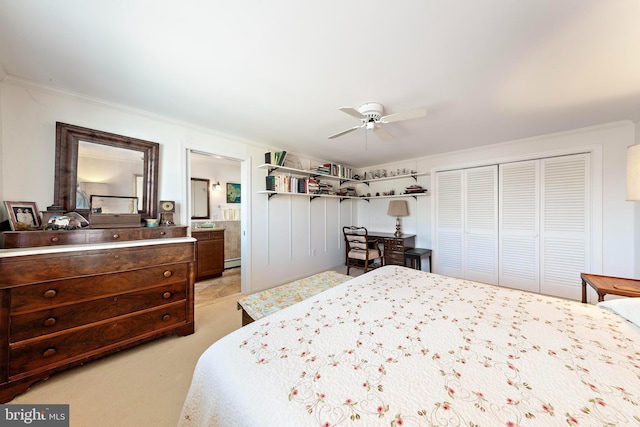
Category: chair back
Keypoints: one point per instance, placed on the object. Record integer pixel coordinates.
(357, 238)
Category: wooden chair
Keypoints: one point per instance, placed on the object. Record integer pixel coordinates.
(361, 251)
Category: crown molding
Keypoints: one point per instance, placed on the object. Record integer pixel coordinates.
(28, 84)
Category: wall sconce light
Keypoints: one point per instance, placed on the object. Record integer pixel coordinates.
(398, 208)
(633, 172)
(216, 186)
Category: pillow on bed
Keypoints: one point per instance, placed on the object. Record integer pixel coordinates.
(629, 308)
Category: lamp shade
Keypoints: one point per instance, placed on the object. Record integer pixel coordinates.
(398, 208)
(633, 172)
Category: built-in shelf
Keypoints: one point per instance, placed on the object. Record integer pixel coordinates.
(336, 196)
(271, 168)
(387, 178)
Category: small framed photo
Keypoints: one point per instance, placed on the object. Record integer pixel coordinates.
(233, 193)
(23, 215)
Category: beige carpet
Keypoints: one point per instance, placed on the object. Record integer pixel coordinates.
(146, 385)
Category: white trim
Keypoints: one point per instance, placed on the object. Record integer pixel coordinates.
(245, 202)
(17, 81)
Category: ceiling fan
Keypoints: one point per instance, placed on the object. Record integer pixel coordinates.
(372, 119)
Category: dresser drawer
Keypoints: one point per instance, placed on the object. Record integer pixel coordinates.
(114, 235)
(26, 239)
(50, 294)
(163, 232)
(394, 245)
(394, 258)
(89, 263)
(38, 323)
(40, 354)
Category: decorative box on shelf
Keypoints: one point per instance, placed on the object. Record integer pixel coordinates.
(114, 212)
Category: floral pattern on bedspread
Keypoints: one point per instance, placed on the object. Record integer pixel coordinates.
(266, 302)
(412, 348)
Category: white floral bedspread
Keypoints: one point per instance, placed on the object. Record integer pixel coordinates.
(400, 347)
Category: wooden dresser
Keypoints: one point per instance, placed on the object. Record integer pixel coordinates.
(209, 252)
(62, 305)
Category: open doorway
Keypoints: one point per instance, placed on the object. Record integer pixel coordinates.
(215, 220)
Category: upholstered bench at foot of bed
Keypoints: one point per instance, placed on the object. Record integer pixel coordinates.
(260, 304)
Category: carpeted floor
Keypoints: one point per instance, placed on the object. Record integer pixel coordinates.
(145, 385)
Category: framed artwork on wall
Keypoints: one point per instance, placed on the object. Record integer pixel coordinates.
(233, 193)
(23, 215)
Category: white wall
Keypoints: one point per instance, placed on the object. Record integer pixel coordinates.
(274, 252)
(614, 251)
(636, 228)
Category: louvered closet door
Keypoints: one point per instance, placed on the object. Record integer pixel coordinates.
(519, 189)
(449, 224)
(481, 224)
(565, 224)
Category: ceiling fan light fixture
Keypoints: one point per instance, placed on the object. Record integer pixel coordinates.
(370, 114)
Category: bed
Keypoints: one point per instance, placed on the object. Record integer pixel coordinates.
(402, 347)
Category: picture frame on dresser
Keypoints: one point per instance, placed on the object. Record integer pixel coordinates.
(23, 215)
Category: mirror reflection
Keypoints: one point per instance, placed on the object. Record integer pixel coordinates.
(199, 198)
(108, 171)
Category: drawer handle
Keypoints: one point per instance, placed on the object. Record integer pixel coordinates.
(166, 295)
(166, 317)
(50, 321)
(167, 274)
(55, 239)
(50, 293)
(162, 233)
(49, 352)
(116, 236)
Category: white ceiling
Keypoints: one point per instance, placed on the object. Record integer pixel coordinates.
(277, 71)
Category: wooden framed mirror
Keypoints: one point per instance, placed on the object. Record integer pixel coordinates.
(200, 198)
(119, 164)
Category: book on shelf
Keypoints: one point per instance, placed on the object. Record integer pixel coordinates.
(275, 157)
(340, 171)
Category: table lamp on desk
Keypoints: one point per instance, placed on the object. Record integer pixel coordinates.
(398, 208)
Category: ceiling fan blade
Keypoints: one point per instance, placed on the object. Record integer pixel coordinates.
(353, 112)
(382, 133)
(344, 132)
(404, 115)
